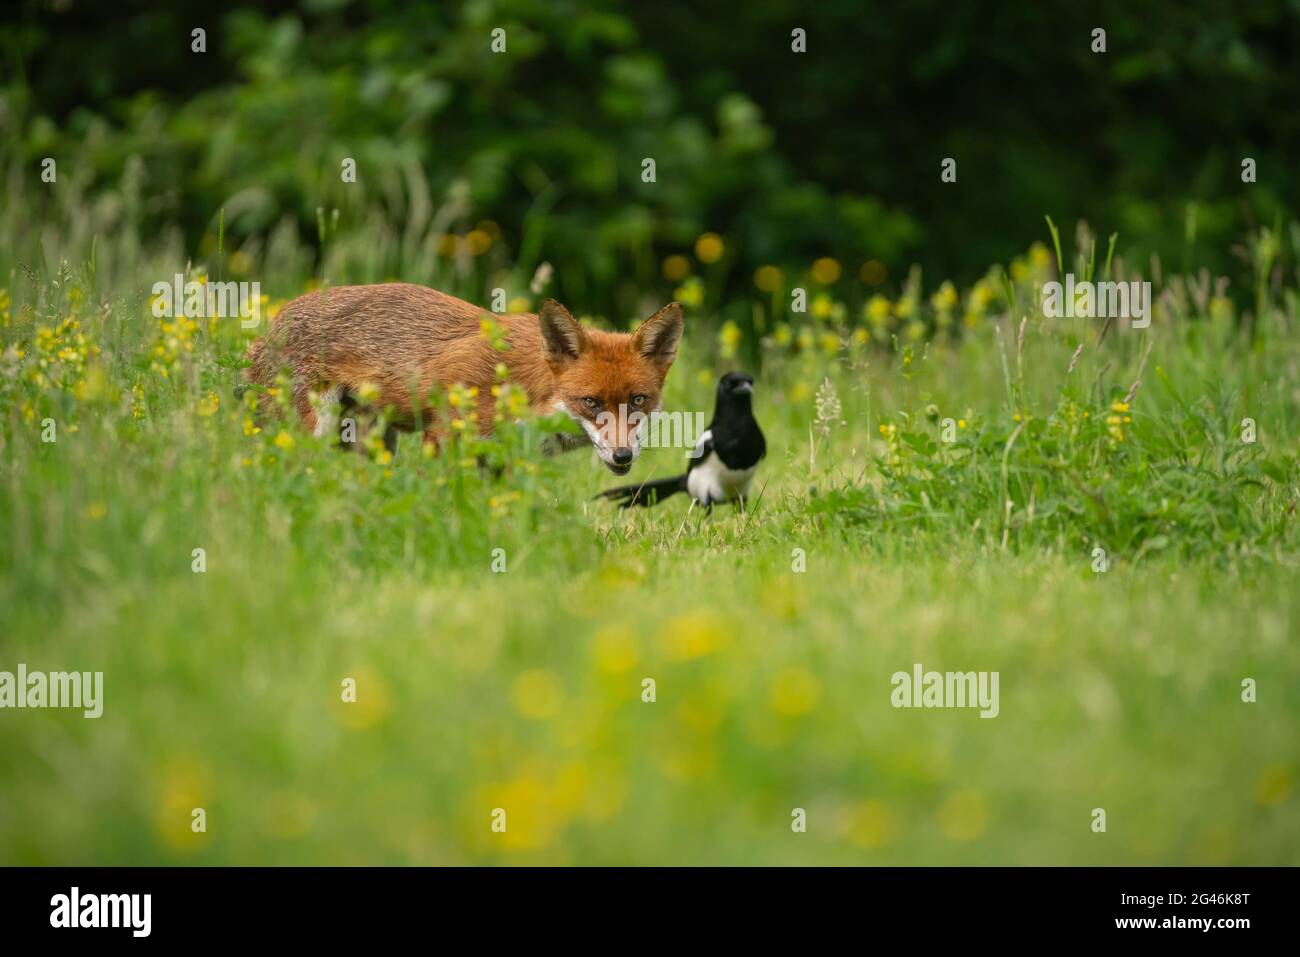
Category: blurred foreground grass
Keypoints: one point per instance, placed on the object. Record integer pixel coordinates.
(523, 691)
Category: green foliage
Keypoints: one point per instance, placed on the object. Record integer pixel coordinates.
(789, 156)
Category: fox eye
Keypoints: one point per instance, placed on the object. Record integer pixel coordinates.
(638, 401)
(590, 402)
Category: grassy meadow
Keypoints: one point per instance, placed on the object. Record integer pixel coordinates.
(944, 466)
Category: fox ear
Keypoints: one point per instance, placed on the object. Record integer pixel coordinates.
(657, 337)
(562, 338)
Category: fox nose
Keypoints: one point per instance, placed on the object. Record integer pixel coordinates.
(622, 455)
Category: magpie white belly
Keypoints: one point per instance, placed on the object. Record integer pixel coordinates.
(711, 482)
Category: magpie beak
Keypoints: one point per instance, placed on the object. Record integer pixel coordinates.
(744, 388)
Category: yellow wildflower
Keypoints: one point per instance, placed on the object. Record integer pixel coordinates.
(945, 297)
(709, 248)
(691, 292)
(730, 337)
(878, 309)
(826, 270)
(767, 278)
(676, 268)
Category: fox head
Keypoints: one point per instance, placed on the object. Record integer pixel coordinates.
(609, 381)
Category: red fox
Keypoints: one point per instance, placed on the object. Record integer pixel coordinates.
(408, 340)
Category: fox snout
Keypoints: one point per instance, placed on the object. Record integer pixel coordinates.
(617, 439)
(617, 458)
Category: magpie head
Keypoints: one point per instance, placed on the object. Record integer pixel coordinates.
(735, 387)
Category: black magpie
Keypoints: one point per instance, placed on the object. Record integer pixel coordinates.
(723, 461)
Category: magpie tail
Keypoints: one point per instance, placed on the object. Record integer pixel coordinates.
(646, 493)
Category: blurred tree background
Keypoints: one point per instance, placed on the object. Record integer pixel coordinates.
(787, 156)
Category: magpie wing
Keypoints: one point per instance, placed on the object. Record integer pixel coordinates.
(702, 449)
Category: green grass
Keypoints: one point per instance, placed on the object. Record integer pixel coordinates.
(522, 689)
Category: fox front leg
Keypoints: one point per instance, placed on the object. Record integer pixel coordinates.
(357, 439)
(356, 428)
(563, 442)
